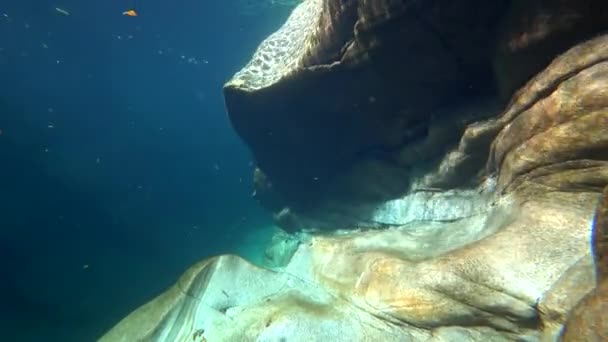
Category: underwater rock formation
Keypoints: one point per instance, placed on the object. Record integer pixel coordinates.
(466, 218)
(408, 284)
(349, 103)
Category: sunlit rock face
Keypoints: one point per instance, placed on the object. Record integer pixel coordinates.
(478, 230)
(517, 283)
(350, 103)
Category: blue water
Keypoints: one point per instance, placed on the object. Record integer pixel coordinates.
(119, 167)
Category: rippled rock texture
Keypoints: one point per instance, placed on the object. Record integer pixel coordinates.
(463, 217)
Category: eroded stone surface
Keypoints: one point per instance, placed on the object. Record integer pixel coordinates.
(228, 299)
(561, 125)
(391, 285)
(552, 136)
(280, 53)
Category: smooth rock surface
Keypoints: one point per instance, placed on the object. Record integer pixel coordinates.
(379, 73)
(389, 284)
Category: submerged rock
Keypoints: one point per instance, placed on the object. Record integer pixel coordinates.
(473, 225)
(349, 103)
(405, 284)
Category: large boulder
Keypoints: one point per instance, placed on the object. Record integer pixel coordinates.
(489, 242)
(505, 261)
(349, 102)
(343, 82)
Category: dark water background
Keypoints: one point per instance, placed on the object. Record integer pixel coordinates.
(118, 165)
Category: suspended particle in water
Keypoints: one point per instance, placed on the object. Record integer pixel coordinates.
(62, 11)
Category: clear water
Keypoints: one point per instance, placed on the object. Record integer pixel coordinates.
(119, 167)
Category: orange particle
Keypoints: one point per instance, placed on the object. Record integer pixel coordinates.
(130, 13)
